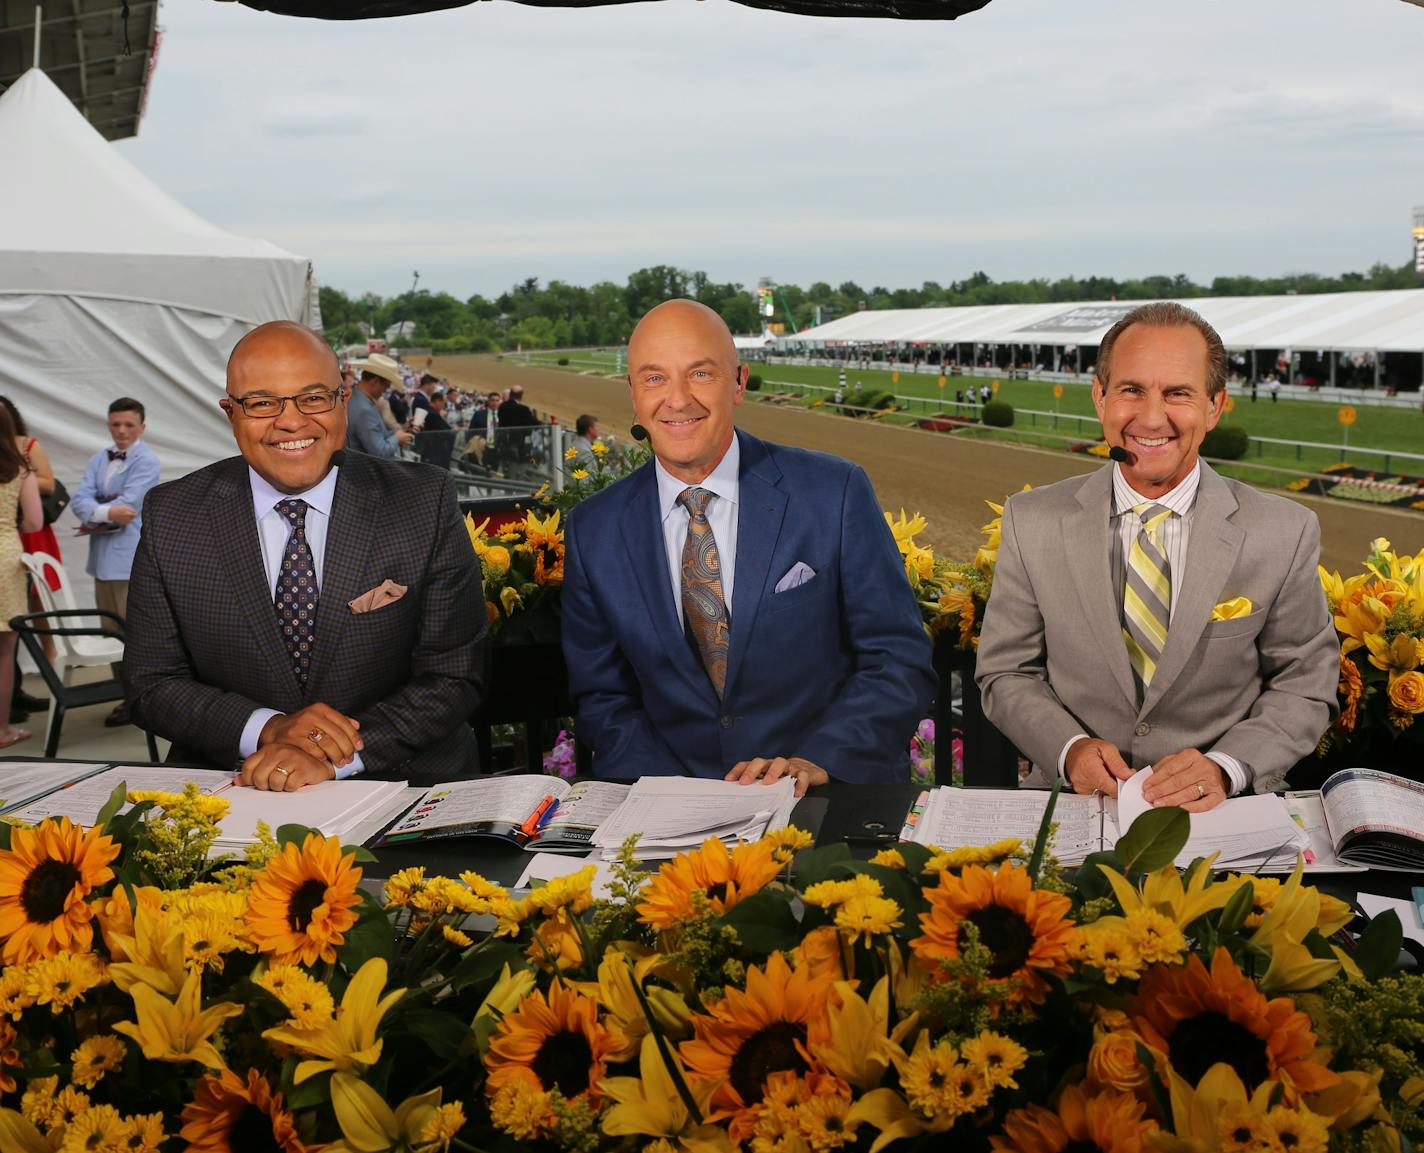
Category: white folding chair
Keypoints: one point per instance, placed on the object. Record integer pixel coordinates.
(74, 651)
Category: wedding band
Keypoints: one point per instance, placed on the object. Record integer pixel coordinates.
(316, 736)
(284, 772)
(1201, 791)
(1096, 793)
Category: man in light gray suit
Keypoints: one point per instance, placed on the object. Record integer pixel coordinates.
(1154, 612)
(366, 431)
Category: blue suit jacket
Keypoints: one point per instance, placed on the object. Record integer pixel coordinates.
(836, 670)
(111, 555)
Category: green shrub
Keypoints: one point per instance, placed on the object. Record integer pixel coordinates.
(1226, 442)
(563, 362)
(998, 414)
(754, 382)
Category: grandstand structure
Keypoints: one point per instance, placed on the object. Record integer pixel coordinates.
(1355, 340)
(99, 52)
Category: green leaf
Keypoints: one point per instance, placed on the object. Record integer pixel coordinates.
(1090, 880)
(815, 865)
(293, 835)
(440, 1032)
(1040, 842)
(764, 922)
(1234, 915)
(363, 854)
(915, 856)
(1154, 840)
(484, 962)
(1378, 950)
(5, 828)
(311, 1092)
(371, 936)
(117, 799)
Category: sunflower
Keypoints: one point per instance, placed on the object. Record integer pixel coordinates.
(748, 1035)
(1025, 929)
(551, 1041)
(725, 877)
(301, 905)
(1199, 1018)
(1110, 1122)
(228, 1115)
(45, 877)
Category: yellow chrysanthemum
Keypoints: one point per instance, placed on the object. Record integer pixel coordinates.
(302, 995)
(302, 905)
(889, 858)
(523, 1111)
(484, 889)
(1109, 949)
(573, 892)
(62, 980)
(456, 937)
(443, 1128)
(787, 841)
(37, 1101)
(868, 917)
(830, 894)
(95, 1057)
(209, 936)
(402, 886)
(579, 474)
(1154, 936)
(953, 860)
(997, 1058)
(143, 1133)
(724, 876)
(1298, 1130)
(100, 1127)
(46, 877)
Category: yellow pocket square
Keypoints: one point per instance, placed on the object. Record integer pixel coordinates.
(1232, 609)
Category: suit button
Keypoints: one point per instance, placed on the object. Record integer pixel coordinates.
(726, 722)
(1142, 729)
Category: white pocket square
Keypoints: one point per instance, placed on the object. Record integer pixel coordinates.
(797, 575)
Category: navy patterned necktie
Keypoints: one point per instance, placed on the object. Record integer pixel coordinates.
(703, 608)
(296, 591)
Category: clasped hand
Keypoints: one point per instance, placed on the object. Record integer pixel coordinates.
(302, 748)
(1187, 779)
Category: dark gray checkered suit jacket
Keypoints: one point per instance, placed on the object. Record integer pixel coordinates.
(204, 648)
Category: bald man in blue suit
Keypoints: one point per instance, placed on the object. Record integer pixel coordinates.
(736, 608)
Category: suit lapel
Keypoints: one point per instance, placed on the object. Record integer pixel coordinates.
(1211, 555)
(344, 576)
(234, 523)
(761, 508)
(647, 557)
(1086, 547)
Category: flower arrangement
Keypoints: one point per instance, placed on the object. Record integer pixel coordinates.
(608, 465)
(767, 996)
(951, 594)
(1379, 618)
(523, 569)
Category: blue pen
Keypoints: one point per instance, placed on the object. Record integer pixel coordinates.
(1417, 892)
(549, 812)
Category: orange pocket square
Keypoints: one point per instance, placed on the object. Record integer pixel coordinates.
(385, 593)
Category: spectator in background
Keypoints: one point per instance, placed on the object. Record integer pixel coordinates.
(585, 435)
(42, 540)
(396, 399)
(436, 441)
(20, 511)
(109, 504)
(517, 422)
(365, 430)
(420, 400)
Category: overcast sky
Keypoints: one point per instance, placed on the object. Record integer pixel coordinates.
(1033, 138)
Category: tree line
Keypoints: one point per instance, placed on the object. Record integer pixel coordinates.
(561, 315)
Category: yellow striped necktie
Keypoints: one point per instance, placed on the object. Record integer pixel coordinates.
(1147, 596)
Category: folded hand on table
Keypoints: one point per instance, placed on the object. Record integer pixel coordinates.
(771, 769)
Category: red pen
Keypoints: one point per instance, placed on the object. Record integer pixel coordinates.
(531, 826)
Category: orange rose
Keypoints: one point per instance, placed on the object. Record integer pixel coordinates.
(1113, 1062)
(1406, 692)
(820, 953)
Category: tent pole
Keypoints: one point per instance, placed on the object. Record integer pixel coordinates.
(39, 15)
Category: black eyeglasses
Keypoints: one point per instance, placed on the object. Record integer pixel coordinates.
(270, 407)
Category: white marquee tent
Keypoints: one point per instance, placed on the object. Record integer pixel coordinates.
(109, 287)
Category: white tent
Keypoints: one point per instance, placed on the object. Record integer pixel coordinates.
(109, 287)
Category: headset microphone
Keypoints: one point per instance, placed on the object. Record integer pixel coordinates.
(338, 458)
(1120, 454)
(639, 432)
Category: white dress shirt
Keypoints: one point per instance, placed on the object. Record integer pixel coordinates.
(725, 482)
(113, 469)
(1173, 534)
(273, 532)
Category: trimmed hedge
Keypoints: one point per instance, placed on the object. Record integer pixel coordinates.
(563, 361)
(754, 382)
(1226, 442)
(998, 414)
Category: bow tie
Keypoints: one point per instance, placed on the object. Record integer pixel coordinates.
(116, 454)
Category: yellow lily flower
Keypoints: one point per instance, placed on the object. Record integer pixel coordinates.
(1163, 892)
(1349, 1103)
(650, 1105)
(177, 1030)
(1354, 621)
(510, 599)
(369, 1125)
(1401, 655)
(347, 1042)
(156, 952)
(1334, 586)
(624, 1014)
(507, 992)
(1198, 1112)
(1297, 909)
(17, 1135)
(859, 1051)
(905, 530)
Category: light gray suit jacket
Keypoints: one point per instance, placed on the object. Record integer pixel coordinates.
(1052, 661)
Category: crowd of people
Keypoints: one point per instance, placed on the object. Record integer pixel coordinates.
(310, 608)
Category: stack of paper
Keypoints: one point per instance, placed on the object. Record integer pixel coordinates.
(82, 799)
(24, 782)
(675, 814)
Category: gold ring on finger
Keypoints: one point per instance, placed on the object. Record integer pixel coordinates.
(1201, 790)
(284, 772)
(316, 736)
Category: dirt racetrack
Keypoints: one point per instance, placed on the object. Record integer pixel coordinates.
(946, 479)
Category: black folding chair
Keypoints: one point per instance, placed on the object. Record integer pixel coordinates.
(32, 628)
